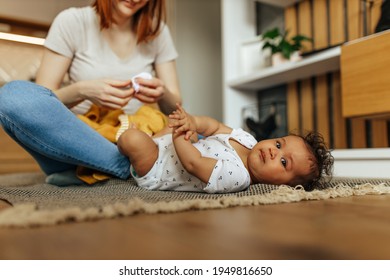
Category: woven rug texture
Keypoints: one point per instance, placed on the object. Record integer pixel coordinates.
(36, 203)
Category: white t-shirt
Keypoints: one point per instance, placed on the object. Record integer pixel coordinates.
(75, 33)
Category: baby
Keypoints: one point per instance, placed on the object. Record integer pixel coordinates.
(224, 160)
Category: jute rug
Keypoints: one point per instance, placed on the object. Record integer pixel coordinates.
(36, 203)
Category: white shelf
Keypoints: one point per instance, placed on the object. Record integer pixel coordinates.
(362, 163)
(313, 65)
(280, 3)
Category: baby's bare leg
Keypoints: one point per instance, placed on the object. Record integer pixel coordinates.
(140, 148)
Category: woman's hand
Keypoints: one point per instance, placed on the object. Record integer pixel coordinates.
(113, 94)
(182, 122)
(105, 92)
(150, 90)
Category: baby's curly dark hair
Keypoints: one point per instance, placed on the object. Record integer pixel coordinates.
(322, 161)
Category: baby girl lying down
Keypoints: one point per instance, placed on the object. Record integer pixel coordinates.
(224, 160)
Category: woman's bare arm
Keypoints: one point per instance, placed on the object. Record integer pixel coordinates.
(104, 92)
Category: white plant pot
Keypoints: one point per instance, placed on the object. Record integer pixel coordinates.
(296, 56)
(278, 59)
(252, 57)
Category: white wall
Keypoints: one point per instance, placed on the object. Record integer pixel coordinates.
(238, 25)
(198, 42)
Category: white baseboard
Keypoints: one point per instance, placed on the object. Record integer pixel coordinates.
(362, 163)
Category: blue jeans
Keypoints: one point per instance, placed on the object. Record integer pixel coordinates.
(36, 119)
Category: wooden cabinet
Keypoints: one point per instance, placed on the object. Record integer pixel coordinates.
(365, 68)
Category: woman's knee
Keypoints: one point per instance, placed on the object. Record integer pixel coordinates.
(21, 96)
(15, 94)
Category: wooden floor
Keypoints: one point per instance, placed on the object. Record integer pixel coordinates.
(342, 228)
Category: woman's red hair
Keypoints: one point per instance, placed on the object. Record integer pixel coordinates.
(146, 22)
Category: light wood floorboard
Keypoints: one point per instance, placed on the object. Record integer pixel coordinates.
(342, 228)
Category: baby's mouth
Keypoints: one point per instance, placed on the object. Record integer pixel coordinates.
(262, 155)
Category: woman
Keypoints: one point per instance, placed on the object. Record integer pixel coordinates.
(101, 47)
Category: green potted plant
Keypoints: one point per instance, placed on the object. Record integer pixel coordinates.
(282, 48)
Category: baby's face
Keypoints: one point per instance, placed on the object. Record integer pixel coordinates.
(280, 160)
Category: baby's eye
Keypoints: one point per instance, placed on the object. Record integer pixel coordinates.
(284, 162)
(278, 145)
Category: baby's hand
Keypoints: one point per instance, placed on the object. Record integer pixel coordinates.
(182, 122)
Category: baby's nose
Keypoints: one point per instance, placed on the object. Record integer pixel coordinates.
(273, 153)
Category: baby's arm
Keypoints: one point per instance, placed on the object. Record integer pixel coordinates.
(184, 125)
(191, 159)
(182, 122)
